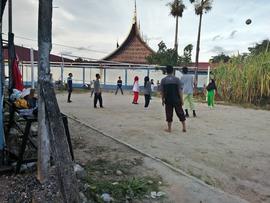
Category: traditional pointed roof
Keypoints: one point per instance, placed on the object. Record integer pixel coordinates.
(133, 49)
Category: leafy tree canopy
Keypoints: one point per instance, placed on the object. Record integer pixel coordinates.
(220, 58)
(167, 56)
(264, 46)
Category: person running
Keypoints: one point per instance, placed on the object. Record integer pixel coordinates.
(211, 88)
(188, 82)
(136, 90)
(69, 86)
(119, 85)
(172, 97)
(147, 91)
(97, 92)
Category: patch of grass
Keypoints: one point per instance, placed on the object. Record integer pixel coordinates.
(128, 186)
(101, 165)
(127, 189)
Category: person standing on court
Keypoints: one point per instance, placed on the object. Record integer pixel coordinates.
(172, 98)
(211, 90)
(119, 85)
(147, 91)
(97, 92)
(188, 83)
(152, 85)
(136, 90)
(69, 86)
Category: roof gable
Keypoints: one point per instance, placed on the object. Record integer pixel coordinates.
(133, 49)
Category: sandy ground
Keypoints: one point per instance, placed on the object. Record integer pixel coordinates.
(227, 147)
(93, 148)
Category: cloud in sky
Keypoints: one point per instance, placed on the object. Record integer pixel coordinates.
(217, 37)
(94, 26)
(232, 35)
(218, 50)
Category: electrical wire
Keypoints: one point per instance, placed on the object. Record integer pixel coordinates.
(62, 45)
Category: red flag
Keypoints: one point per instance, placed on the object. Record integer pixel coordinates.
(17, 76)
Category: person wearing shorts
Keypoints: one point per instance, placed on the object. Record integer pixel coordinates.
(172, 98)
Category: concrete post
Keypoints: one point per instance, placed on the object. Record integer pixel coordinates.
(62, 70)
(126, 74)
(83, 76)
(104, 76)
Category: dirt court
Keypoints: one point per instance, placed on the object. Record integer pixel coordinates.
(226, 147)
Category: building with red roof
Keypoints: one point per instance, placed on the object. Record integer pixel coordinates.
(23, 54)
(134, 49)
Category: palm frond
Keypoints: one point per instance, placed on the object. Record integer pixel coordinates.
(177, 8)
(202, 6)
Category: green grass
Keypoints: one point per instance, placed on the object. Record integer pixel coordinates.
(128, 186)
(131, 188)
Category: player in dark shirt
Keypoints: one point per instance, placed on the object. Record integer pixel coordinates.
(119, 85)
(69, 86)
(172, 97)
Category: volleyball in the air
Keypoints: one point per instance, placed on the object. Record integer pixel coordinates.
(248, 21)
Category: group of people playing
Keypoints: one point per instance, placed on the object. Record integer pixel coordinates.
(148, 89)
(96, 90)
(175, 93)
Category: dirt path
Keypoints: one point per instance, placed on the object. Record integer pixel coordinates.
(227, 147)
(92, 148)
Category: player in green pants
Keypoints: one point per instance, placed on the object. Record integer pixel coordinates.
(211, 88)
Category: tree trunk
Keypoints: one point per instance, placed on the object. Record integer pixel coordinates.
(176, 36)
(51, 127)
(198, 50)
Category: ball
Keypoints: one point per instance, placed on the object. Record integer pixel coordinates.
(248, 21)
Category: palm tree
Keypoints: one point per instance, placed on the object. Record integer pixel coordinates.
(176, 10)
(201, 6)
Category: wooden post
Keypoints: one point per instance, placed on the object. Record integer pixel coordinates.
(44, 43)
(11, 48)
(2, 80)
(32, 68)
(52, 126)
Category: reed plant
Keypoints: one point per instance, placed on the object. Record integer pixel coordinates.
(245, 79)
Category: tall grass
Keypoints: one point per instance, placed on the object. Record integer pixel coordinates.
(245, 79)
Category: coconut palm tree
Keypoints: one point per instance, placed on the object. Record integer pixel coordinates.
(176, 10)
(201, 7)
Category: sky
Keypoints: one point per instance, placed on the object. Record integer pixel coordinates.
(91, 28)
